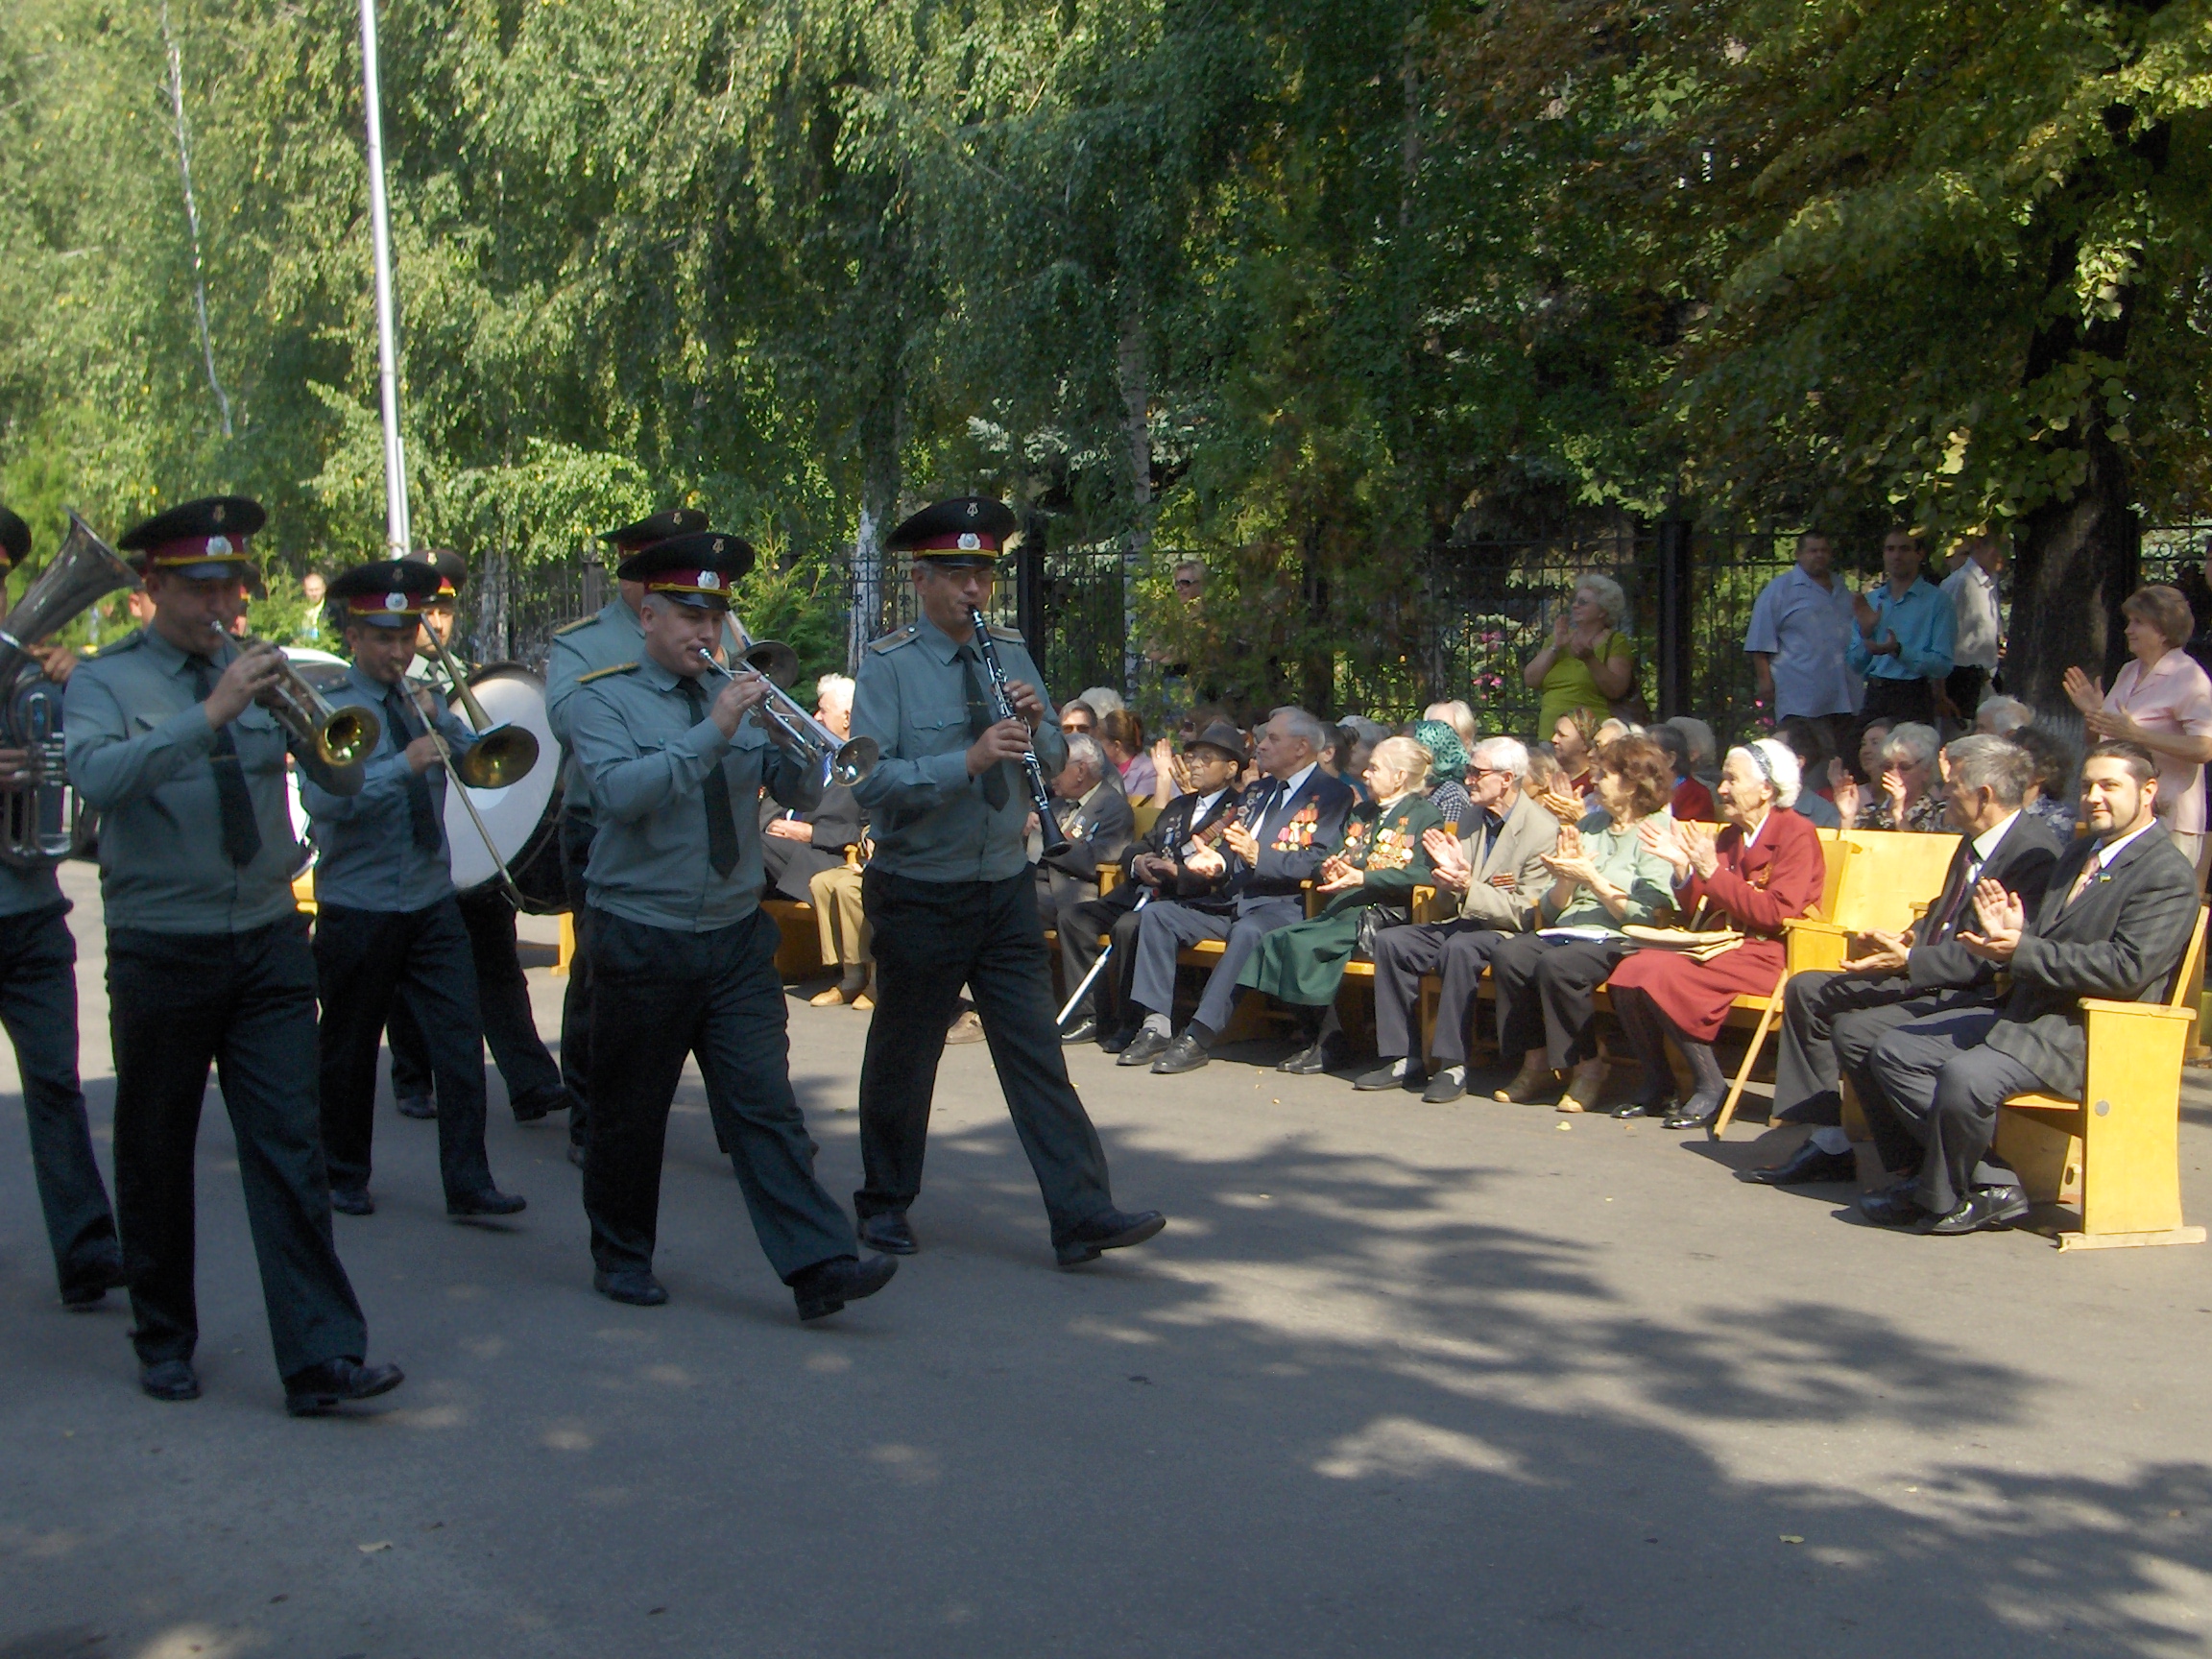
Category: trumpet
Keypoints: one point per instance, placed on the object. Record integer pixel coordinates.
(501, 755)
(836, 759)
(340, 736)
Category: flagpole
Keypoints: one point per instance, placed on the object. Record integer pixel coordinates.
(397, 530)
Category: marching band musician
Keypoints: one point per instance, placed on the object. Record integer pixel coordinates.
(950, 898)
(683, 958)
(39, 1006)
(610, 637)
(534, 1086)
(387, 928)
(207, 959)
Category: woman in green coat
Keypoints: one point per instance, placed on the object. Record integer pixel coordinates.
(1379, 861)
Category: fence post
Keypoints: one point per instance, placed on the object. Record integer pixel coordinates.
(1675, 608)
(594, 581)
(1029, 582)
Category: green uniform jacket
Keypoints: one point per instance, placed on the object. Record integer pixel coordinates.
(932, 821)
(1304, 963)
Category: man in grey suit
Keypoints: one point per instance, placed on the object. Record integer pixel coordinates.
(1499, 872)
(1096, 817)
(1831, 1021)
(2114, 921)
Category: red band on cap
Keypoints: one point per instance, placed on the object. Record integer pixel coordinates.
(966, 541)
(198, 550)
(711, 583)
(391, 604)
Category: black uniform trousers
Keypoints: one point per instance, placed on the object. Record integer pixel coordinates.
(576, 832)
(1080, 926)
(1547, 994)
(246, 1002)
(39, 1006)
(931, 937)
(1931, 1090)
(1459, 950)
(658, 996)
(503, 998)
(368, 963)
(1830, 1024)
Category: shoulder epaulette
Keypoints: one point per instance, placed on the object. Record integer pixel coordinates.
(580, 622)
(602, 673)
(892, 641)
(999, 631)
(130, 641)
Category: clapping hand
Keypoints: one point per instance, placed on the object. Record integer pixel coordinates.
(1887, 953)
(2003, 917)
(1242, 842)
(1698, 841)
(1663, 837)
(1338, 875)
(1564, 806)
(1569, 860)
(2085, 694)
(1206, 862)
(1893, 787)
(1844, 791)
(1446, 859)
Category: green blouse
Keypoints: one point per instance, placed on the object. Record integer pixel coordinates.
(1624, 861)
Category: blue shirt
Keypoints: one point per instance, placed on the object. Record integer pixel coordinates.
(604, 640)
(1923, 623)
(23, 891)
(366, 857)
(1809, 632)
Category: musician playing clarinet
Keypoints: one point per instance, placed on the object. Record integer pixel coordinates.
(950, 898)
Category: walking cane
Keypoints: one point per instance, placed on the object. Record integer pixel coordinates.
(1142, 899)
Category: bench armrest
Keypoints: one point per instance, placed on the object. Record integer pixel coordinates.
(1814, 944)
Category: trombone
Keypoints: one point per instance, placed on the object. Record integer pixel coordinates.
(501, 756)
(836, 759)
(340, 736)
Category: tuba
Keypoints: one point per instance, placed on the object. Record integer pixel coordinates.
(38, 816)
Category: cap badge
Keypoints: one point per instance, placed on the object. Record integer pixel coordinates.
(395, 601)
(709, 581)
(220, 510)
(720, 545)
(970, 541)
(217, 544)
(973, 509)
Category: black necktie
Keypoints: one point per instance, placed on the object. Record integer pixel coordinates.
(421, 816)
(241, 836)
(979, 721)
(721, 822)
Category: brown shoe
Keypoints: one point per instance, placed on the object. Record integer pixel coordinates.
(1532, 1082)
(833, 997)
(968, 1029)
(1583, 1087)
(863, 1001)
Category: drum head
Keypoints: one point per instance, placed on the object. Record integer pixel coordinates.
(511, 696)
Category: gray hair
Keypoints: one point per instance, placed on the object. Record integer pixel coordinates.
(2001, 716)
(1103, 700)
(1404, 757)
(1301, 725)
(1700, 736)
(1777, 762)
(1082, 751)
(1504, 755)
(835, 689)
(1910, 738)
(1996, 764)
(1608, 594)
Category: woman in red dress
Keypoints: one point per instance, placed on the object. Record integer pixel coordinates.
(1764, 867)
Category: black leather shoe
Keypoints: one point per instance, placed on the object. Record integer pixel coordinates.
(169, 1380)
(633, 1285)
(828, 1286)
(1892, 1207)
(1114, 1041)
(890, 1232)
(1984, 1209)
(1322, 1056)
(90, 1282)
(1446, 1087)
(1387, 1077)
(1695, 1113)
(1807, 1167)
(1082, 1031)
(489, 1202)
(324, 1387)
(576, 1154)
(1143, 1048)
(417, 1106)
(546, 1101)
(1115, 1230)
(352, 1201)
(1185, 1054)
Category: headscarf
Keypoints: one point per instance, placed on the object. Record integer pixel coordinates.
(1447, 757)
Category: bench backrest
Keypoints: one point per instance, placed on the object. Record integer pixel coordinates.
(1887, 871)
(2185, 971)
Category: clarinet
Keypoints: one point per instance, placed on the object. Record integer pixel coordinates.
(1002, 708)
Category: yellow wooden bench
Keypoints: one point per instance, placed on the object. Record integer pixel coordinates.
(2115, 1152)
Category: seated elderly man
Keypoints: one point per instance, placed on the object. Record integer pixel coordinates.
(1832, 1022)
(2113, 922)
(1094, 816)
(1496, 869)
(2001, 716)
(1276, 841)
(796, 847)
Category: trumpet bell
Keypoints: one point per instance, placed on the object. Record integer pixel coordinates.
(773, 659)
(502, 756)
(348, 734)
(854, 760)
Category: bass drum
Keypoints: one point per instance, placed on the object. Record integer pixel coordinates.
(524, 818)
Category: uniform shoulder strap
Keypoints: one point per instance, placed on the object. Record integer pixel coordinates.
(602, 673)
(892, 641)
(999, 631)
(571, 627)
(130, 641)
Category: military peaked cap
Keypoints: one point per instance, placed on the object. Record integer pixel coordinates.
(965, 533)
(202, 538)
(676, 521)
(389, 594)
(698, 569)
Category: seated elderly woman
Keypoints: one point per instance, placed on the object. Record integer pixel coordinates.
(1379, 862)
(1574, 739)
(1447, 767)
(1907, 793)
(1606, 878)
(1765, 867)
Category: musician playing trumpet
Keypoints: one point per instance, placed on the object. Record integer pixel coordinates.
(388, 928)
(683, 956)
(207, 958)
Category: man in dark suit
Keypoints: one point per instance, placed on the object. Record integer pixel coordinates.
(1832, 1022)
(1286, 824)
(796, 847)
(1155, 865)
(2114, 921)
(1094, 815)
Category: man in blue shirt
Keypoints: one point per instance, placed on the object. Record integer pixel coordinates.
(387, 928)
(1799, 641)
(1906, 626)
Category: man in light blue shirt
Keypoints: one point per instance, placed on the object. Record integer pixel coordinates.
(387, 928)
(1801, 641)
(1902, 642)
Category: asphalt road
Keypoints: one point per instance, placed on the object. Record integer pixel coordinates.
(1398, 1380)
